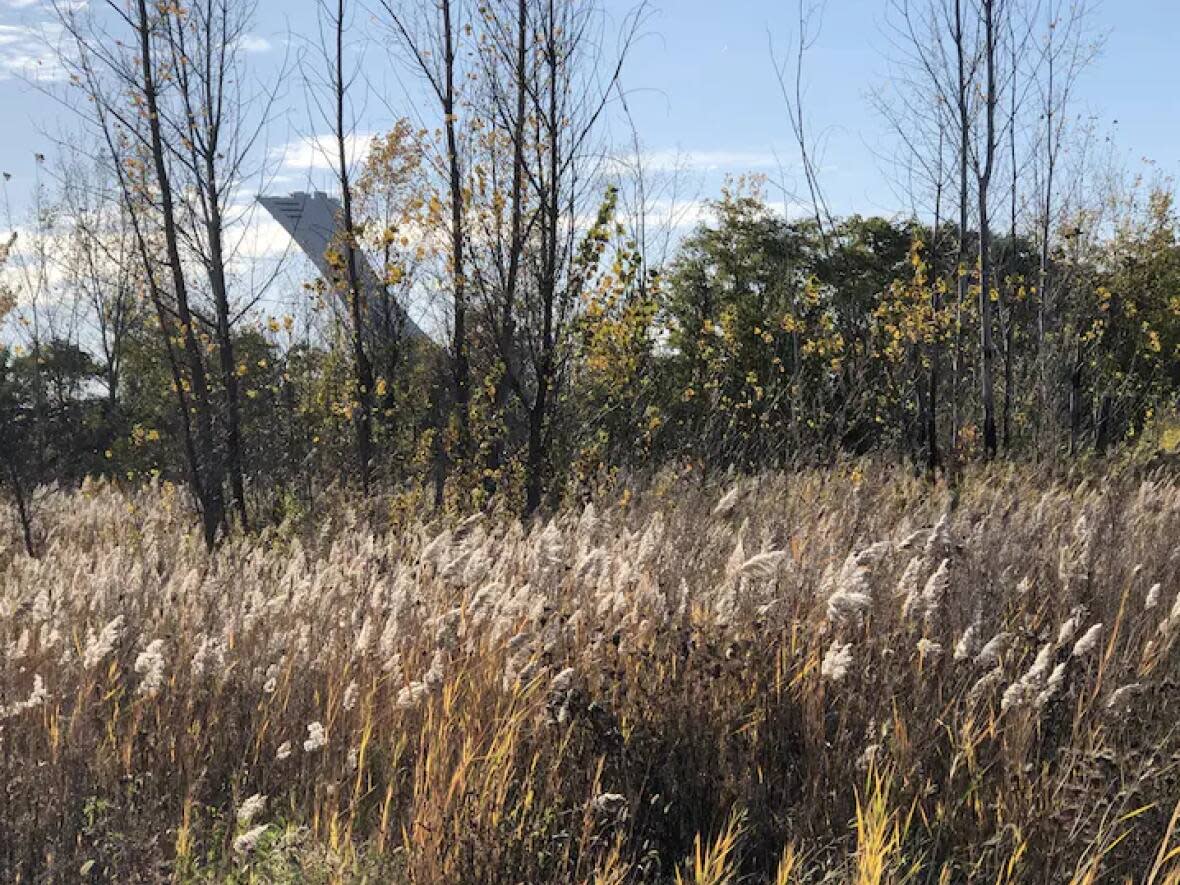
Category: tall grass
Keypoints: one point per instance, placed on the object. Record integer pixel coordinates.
(846, 676)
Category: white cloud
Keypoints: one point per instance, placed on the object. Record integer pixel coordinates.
(676, 160)
(27, 51)
(45, 5)
(260, 237)
(317, 153)
(254, 43)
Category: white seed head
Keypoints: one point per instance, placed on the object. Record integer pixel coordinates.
(1088, 642)
(248, 841)
(250, 809)
(150, 665)
(836, 661)
(317, 738)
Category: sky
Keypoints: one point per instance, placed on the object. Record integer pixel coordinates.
(700, 83)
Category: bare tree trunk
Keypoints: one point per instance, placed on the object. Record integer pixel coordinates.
(1013, 257)
(1045, 231)
(213, 507)
(205, 75)
(443, 78)
(504, 309)
(225, 349)
(115, 126)
(986, 282)
(551, 218)
(963, 108)
(933, 458)
(462, 368)
(363, 368)
(1075, 400)
(22, 509)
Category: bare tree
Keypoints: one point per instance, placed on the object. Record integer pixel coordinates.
(985, 164)
(212, 140)
(789, 73)
(546, 86)
(507, 224)
(922, 108)
(101, 267)
(569, 94)
(122, 79)
(431, 42)
(334, 107)
(11, 474)
(1067, 48)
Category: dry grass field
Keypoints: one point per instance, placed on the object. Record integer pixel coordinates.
(838, 676)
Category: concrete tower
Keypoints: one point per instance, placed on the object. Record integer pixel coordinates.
(311, 220)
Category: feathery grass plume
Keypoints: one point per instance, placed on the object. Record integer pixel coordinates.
(317, 737)
(913, 539)
(737, 558)
(412, 695)
(1121, 698)
(351, 693)
(1024, 690)
(762, 566)
(610, 806)
(98, 647)
(436, 672)
(250, 808)
(990, 654)
(561, 696)
(967, 646)
(1068, 629)
(936, 588)
(563, 681)
(436, 549)
(909, 586)
(1170, 624)
(248, 841)
(939, 544)
(1052, 685)
(150, 665)
(1153, 596)
(651, 541)
(588, 522)
(39, 695)
(446, 635)
(725, 601)
(1073, 562)
(1088, 642)
(18, 649)
(284, 751)
(837, 661)
(986, 684)
(36, 698)
(849, 594)
(849, 603)
(208, 658)
(728, 503)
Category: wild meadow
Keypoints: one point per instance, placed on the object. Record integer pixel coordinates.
(487, 442)
(839, 676)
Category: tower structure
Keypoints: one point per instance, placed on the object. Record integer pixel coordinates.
(312, 220)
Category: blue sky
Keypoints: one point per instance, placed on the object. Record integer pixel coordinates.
(701, 85)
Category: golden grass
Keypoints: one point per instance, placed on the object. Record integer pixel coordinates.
(798, 685)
